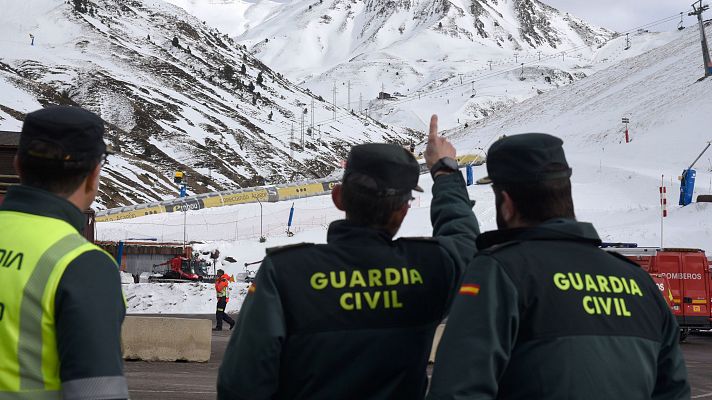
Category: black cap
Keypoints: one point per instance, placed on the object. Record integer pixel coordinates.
(63, 136)
(383, 169)
(526, 158)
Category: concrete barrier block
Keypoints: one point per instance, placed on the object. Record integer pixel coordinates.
(436, 341)
(166, 339)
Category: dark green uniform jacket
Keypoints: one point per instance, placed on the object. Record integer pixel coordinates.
(354, 318)
(543, 313)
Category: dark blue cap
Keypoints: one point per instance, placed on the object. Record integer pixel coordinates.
(382, 169)
(526, 158)
(63, 136)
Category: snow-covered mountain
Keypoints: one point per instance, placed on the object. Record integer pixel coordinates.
(417, 47)
(175, 93)
(315, 36)
(423, 52)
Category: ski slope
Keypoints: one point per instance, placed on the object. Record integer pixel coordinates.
(616, 184)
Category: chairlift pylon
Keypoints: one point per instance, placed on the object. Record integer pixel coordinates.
(680, 26)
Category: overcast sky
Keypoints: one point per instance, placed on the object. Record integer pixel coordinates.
(622, 15)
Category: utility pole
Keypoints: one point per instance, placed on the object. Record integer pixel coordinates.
(262, 237)
(210, 161)
(302, 132)
(334, 103)
(698, 10)
(349, 106)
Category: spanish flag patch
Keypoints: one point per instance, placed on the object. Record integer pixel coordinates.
(252, 288)
(470, 289)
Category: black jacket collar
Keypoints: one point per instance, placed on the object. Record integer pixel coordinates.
(345, 231)
(29, 200)
(555, 229)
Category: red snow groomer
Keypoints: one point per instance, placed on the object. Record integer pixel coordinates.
(180, 268)
(686, 275)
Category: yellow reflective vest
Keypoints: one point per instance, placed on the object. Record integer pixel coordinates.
(34, 253)
(221, 286)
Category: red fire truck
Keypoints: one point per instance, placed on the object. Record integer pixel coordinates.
(687, 272)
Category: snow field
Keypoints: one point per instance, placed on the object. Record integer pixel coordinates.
(179, 298)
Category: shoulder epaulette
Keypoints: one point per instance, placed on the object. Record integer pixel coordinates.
(279, 249)
(498, 247)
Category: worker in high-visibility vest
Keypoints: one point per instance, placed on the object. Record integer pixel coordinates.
(61, 306)
(222, 283)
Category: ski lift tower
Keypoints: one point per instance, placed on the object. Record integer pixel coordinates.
(698, 9)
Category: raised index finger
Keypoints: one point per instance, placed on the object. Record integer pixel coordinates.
(433, 128)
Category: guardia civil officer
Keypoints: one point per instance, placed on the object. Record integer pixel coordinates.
(543, 312)
(355, 318)
(61, 306)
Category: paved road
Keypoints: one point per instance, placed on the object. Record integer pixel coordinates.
(178, 380)
(196, 381)
(698, 357)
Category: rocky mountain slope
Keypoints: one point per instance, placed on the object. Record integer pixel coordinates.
(175, 94)
(412, 48)
(331, 32)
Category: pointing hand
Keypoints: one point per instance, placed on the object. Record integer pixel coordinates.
(438, 147)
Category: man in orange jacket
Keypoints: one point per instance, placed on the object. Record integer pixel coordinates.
(221, 287)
